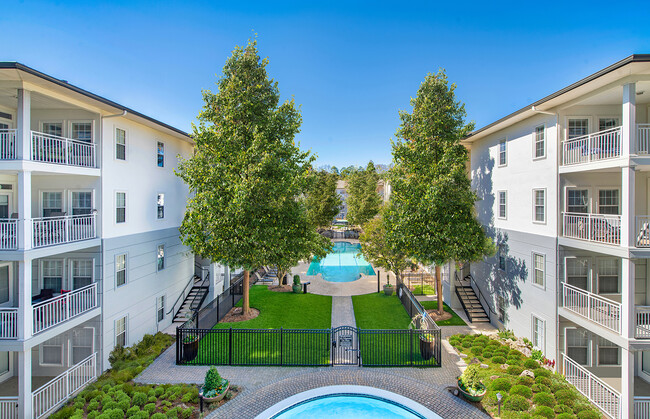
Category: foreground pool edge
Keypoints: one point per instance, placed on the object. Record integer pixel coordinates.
(349, 390)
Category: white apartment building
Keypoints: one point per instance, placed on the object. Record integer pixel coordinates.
(90, 255)
(564, 190)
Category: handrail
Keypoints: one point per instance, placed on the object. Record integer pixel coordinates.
(480, 293)
(600, 393)
(204, 295)
(601, 310)
(596, 146)
(182, 294)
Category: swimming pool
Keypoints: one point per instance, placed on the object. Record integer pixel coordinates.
(342, 264)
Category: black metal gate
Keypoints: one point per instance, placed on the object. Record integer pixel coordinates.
(345, 346)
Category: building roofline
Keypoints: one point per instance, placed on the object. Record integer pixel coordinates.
(634, 58)
(65, 84)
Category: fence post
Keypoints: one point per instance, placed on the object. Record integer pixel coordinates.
(280, 346)
(411, 345)
(230, 346)
(378, 280)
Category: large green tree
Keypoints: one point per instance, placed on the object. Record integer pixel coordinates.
(247, 173)
(321, 199)
(363, 200)
(433, 201)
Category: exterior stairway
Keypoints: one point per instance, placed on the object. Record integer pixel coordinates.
(471, 304)
(192, 301)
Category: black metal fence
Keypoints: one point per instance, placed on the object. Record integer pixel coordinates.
(420, 283)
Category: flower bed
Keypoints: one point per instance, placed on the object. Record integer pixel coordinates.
(528, 389)
(115, 395)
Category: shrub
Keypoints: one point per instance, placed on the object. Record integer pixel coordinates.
(565, 416)
(517, 404)
(544, 411)
(152, 399)
(537, 355)
(589, 414)
(466, 344)
(186, 413)
(139, 399)
(173, 412)
(296, 280)
(470, 378)
(530, 364)
(93, 405)
(124, 404)
(132, 411)
(158, 416)
(541, 372)
(79, 405)
(525, 381)
(159, 391)
(565, 396)
(120, 354)
(151, 392)
(540, 388)
(514, 361)
(543, 380)
(497, 359)
(114, 413)
(92, 414)
(515, 369)
(501, 384)
(212, 380)
(109, 406)
(522, 391)
(544, 399)
(477, 350)
(487, 353)
(150, 407)
(562, 408)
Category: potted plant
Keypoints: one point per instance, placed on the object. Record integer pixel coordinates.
(190, 347)
(469, 384)
(427, 343)
(388, 288)
(214, 387)
(296, 284)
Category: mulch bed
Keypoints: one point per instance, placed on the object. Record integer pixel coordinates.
(235, 315)
(280, 288)
(436, 317)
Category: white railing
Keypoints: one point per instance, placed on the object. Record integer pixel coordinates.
(600, 145)
(7, 144)
(8, 234)
(642, 329)
(9, 407)
(57, 230)
(58, 390)
(641, 407)
(600, 310)
(8, 324)
(643, 231)
(643, 138)
(599, 393)
(598, 228)
(66, 306)
(60, 150)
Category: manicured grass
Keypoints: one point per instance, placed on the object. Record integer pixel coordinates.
(425, 289)
(455, 319)
(377, 311)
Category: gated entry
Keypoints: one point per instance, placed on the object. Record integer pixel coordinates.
(345, 346)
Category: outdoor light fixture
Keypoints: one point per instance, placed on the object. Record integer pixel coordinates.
(499, 397)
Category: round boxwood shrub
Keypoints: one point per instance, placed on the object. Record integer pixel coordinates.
(540, 388)
(543, 380)
(565, 396)
(158, 416)
(525, 381)
(514, 361)
(589, 414)
(150, 407)
(92, 414)
(114, 413)
(132, 411)
(544, 411)
(109, 406)
(152, 399)
(466, 344)
(562, 408)
(139, 399)
(124, 404)
(544, 399)
(517, 403)
(93, 405)
(565, 416)
(487, 353)
(541, 372)
(531, 364)
(498, 359)
(522, 391)
(514, 369)
(501, 384)
(159, 391)
(477, 350)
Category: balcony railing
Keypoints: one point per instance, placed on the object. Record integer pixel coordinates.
(54, 393)
(7, 144)
(64, 307)
(9, 407)
(8, 234)
(60, 150)
(600, 145)
(643, 138)
(600, 310)
(57, 230)
(642, 407)
(598, 228)
(642, 329)
(8, 324)
(599, 393)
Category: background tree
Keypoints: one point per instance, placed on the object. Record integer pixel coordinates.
(247, 173)
(363, 200)
(321, 200)
(431, 191)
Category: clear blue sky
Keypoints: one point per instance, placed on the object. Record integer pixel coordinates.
(351, 65)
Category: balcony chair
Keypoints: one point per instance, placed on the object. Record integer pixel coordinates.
(44, 295)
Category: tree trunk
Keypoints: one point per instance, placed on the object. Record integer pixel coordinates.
(439, 290)
(246, 305)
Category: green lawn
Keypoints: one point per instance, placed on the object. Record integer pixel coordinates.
(425, 289)
(455, 319)
(377, 311)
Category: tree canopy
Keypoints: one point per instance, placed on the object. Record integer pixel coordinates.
(321, 199)
(363, 200)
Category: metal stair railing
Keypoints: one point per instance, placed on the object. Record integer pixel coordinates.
(479, 295)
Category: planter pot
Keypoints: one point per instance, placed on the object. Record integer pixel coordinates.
(297, 289)
(469, 396)
(389, 290)
(426, 349)
(190, 350)
(216, 398)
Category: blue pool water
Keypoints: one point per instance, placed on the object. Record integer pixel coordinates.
(342, 406)
(343, 264)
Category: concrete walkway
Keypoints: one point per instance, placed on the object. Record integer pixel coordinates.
(342, 312)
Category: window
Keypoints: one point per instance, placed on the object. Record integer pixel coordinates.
(120, 144)
(608, 201)
(120, 270)
(53, 128)
(5, 295)
(539, 333)
(160, 308)
(608, 276)
(607, 123)
(160, 255)
(538, 269)
(82, 273)
(120, 332)
(161, 205)
(120, 207)
(503, 157)
(501, 308)
(577, 272)
(608, 352)
(52, 274)
(82, 203)
(51, 351)
(578, 201)
(539, 197)
(4, 206)
(52, 203)
(577, 128)
(502, 257)
(160, 154)
(82, 131)
(81, 344)
(577, 345)
(540, 142)
(503, 204)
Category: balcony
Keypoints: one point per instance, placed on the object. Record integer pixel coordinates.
(7, 144)
(8, 324)
(9, 407)
(600, 145)
(51, 395)
(591, 306)
(596, 390)
(51, 149)
(57, 310)
(598, 228)
(51, 231)
(643, 139)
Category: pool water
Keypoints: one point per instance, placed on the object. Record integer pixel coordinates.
(356, 406)
(343, 264)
